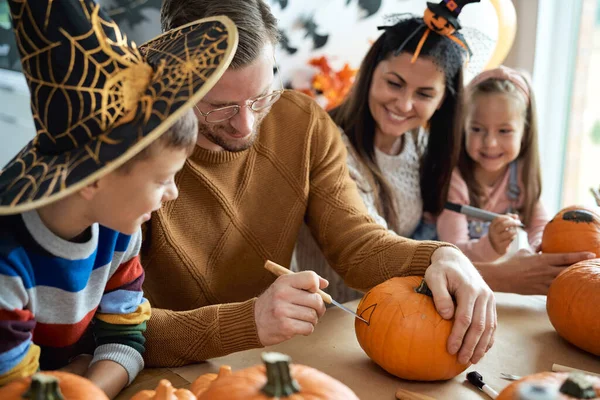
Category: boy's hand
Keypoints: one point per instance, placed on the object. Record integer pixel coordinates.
(289, 307)
(78, 365)
(503, 231)
(109, 376)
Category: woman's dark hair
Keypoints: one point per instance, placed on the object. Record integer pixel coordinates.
(440, 157)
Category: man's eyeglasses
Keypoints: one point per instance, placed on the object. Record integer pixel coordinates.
(259, 104)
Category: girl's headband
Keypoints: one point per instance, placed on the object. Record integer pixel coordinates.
(502, 73)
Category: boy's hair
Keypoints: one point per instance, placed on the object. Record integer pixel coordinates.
(528, 155)
(354, 117)
(182, 135)
(256, 24)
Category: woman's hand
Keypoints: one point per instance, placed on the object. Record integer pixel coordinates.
(528, 272)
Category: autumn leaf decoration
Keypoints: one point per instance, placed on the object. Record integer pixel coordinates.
(332, 85)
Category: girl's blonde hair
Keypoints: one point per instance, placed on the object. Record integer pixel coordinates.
(528, 155)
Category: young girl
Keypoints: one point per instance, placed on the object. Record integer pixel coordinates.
(498, 168)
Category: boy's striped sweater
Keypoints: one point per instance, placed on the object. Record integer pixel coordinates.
(59, 299)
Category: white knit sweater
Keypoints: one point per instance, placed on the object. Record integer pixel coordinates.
(402, 173)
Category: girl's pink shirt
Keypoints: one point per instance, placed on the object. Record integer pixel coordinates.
(453, 227)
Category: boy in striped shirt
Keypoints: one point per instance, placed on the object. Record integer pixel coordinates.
(114, 126)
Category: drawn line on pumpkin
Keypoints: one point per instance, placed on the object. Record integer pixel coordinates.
(370, 310)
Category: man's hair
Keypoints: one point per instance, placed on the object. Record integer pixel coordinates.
(255, 23)
(181, 135)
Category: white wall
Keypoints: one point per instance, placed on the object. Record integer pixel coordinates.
(349, 34)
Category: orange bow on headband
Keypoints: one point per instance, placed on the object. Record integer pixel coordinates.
(442, 19)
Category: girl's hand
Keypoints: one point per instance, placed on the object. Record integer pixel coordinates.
(503, 231)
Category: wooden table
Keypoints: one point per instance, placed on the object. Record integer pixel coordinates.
(525, 343)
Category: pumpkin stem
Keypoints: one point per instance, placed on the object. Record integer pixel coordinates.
(279, 380)
(43, 387)
(579, 386)
(225, 370)
(424, 289)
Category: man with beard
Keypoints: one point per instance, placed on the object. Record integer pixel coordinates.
(266, 161)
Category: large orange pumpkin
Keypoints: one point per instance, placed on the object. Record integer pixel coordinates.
(164, 391)
(575, 228)
(52, 385)
(568, 386)
(203, 382)
(405, 335)
(277, 379)
(572, 305)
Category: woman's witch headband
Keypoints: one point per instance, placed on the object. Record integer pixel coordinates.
(441, 18)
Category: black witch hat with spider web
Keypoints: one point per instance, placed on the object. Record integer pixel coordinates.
(96, 99)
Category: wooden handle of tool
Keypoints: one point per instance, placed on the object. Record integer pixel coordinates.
(402, 394)
(279, 270)
(562, 368)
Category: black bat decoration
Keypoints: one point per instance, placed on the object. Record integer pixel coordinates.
(130, 11)
(311, 31)
(11, 58)
(282, 3)
(285, 43)
(370, 6)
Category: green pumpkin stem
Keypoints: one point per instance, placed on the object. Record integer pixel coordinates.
(424, 289)
(279, 380)
(578, 385)
(43, 387)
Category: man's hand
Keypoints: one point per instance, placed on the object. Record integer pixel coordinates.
(452, 274)
(289, 307)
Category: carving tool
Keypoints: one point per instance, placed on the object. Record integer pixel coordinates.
(279, 270)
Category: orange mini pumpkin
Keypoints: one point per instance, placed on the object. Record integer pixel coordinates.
(570, 305)
(164, 391)
(563, 385)
(575, 228)
(203, 382)
(405, 335)
(277, 379)
(52, 385)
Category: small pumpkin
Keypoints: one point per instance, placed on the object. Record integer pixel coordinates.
(570, 301)
(277, 379)
(202, 383)
(164, 391)
(52, 385)
(405, 334)
(564, 386)
(574, 228)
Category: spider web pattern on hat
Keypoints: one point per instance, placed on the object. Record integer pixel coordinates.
(96, 99)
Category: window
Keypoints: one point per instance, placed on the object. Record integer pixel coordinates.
(582, 158)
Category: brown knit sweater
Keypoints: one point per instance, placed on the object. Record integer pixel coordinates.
(205, 251)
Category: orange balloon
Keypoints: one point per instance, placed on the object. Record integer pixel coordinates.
(507, 29)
